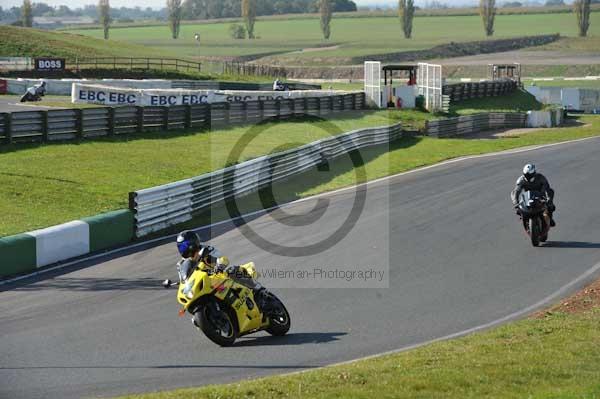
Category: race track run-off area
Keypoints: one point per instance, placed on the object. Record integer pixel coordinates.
(458, 260)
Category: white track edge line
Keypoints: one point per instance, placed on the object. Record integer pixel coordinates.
(327, 193)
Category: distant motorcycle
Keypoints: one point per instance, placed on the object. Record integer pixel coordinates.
(533, 209)
(30, 97)
(34, 93)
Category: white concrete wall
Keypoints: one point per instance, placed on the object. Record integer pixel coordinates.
(61, 242)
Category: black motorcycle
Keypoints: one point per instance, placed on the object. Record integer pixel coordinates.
(30, 97)
(533, 209)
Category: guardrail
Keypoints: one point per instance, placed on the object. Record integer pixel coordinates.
(159, 207)
(216, 85)
(77, 124)
(467, 90)
(461, 125)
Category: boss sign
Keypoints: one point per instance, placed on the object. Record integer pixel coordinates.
(49, 64)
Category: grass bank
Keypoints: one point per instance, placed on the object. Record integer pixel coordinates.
(27, 42)
(518, 101)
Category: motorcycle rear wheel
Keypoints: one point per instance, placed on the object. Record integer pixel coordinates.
(217, 326)
(279, 317)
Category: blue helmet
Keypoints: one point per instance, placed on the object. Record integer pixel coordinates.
(188, 243)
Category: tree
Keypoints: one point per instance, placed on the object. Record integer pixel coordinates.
(582, 11)
(104, 16)
(406, 9)
(344, 6)
(487, 9)
(249, 15)
(174, 9)
(27, 14)
(326, 15)
(237, 31)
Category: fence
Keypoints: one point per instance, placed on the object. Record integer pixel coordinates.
(461, 125)
(242, 68)
(466, 90)
(134, 64)
(77, 124)
(16, 63)
(163, 206)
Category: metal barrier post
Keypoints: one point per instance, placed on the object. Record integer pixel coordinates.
(79, 123)
(140, 119)
(111, 121)
(8, 127)
(44, 126)
(188, 117)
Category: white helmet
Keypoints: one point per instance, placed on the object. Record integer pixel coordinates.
(529, 171)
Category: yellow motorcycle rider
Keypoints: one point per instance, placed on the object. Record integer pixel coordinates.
(208, 258)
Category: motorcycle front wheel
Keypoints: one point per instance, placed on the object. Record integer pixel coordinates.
(217, 324)
(535, 229)
(279, 317)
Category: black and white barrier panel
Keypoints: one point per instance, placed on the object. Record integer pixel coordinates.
(106, 95)
(452, 127)
(163, 206)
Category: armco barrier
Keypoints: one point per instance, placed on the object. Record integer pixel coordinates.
(465, 90)
(77, 124)
(461, 125)
(26, 252)
(163, 206)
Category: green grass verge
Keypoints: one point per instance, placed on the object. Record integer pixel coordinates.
(554, 357)
(581, 84)
(351, 37)
(520, 101)
(47, 101)
(44, 185)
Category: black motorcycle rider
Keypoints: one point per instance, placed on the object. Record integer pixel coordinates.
(533, 181)
(193, 253)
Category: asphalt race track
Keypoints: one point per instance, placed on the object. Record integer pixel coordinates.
(458, 260)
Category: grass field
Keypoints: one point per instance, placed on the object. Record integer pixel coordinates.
(350, 36)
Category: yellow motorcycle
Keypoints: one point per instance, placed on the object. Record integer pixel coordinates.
(224, 310)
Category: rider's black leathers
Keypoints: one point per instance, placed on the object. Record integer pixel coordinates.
(537, 183)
